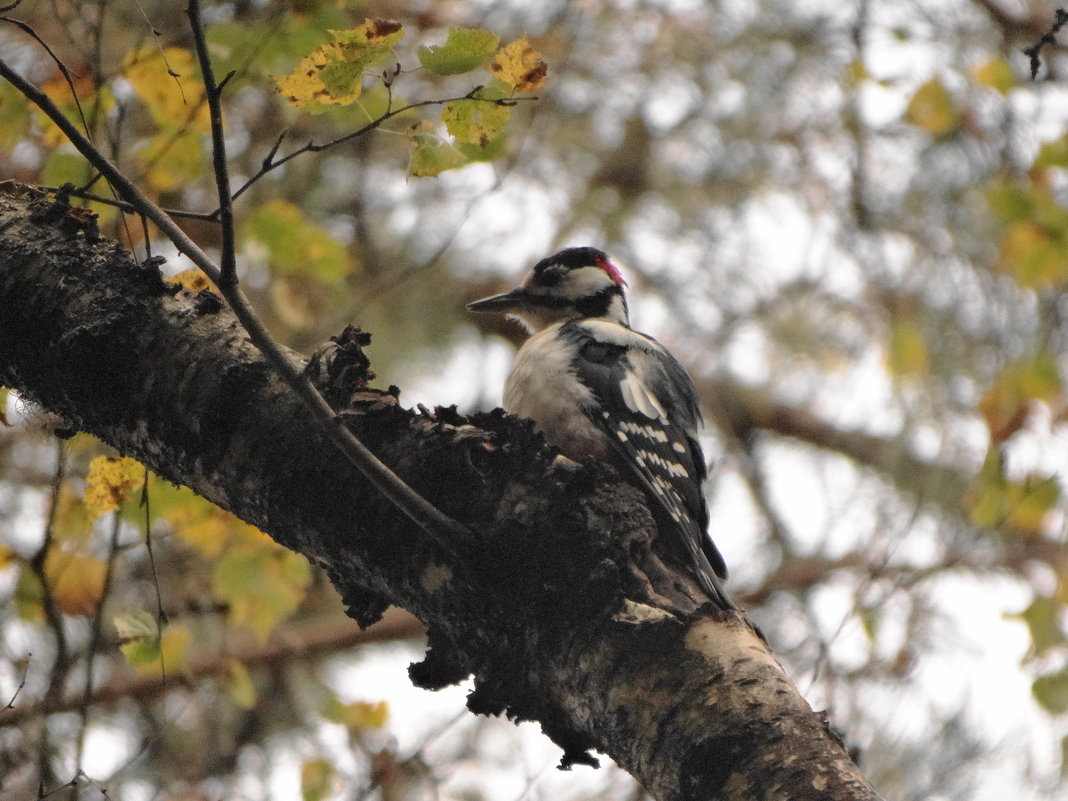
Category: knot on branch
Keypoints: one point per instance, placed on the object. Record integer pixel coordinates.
(70, 220)
(341, 371)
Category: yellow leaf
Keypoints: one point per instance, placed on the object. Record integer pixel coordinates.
(1031, 502)
(59, 92)
(332, 74)
(1005, 404)
(5, 393)
(76, 582)
(193, 280)
(907, 352)
(167, 82)
(71, 522)
(520, 65)
(932, 109)
(316, 780)
(359, 715)
(1024, 506)
(111, 481)
(997, 74)
(1032, 256)
(855, 73)
(238, 685)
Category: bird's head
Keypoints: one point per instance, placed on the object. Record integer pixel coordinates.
(574, 283)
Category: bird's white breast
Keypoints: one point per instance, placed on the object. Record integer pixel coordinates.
(544, 387)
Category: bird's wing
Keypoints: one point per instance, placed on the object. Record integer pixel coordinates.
(632, 376)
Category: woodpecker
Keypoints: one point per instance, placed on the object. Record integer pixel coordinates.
(596, 387)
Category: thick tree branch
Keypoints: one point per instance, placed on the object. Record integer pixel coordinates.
(424, 514)
(558, 601)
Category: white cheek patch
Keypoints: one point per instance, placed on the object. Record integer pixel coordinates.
(586, 281)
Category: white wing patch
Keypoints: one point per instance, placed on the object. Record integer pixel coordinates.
(639, 399)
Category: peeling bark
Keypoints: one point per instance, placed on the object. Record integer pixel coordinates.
(557, 601)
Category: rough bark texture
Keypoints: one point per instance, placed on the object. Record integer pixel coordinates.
(557, 600)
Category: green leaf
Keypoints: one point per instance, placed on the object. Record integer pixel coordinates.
(1042, 618)
(1009, 200)
(293, 245)
(475, 122)
(1005, 404)
(316, 780)
(932, 109)
(906, 351)
(432, 157)
(466, 49)
(1053, 154)
(29, 596)
(1032, 256)
(238, 685)
(1051, 692)
(64, 166)
(496, 148)
(262, 583)
(14, 115)
(139, 638)
(1033, 500)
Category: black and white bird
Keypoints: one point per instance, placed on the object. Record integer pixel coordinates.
(596, 387)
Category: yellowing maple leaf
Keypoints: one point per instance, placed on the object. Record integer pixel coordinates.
(111, 481)
(76, 582)
(520, 65)
(332, 74)
(193, 280)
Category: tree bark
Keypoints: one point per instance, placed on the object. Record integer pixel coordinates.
(557, 600)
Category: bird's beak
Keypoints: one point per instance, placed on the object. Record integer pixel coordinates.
(509, 301)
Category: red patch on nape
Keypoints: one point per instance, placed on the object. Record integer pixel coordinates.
(611, 270)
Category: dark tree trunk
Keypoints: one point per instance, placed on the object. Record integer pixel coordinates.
(556, 600)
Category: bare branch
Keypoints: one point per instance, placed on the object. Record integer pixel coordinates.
(315, 640)
(1034, 52)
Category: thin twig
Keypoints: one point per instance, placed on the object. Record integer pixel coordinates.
(25, 28)
(22, 683)
(61, 662)
(96, 636)
(131, 208)
(213, 95)
(1034, 52)
(270, 164)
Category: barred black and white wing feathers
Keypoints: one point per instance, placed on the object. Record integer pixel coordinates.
(631, 377)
